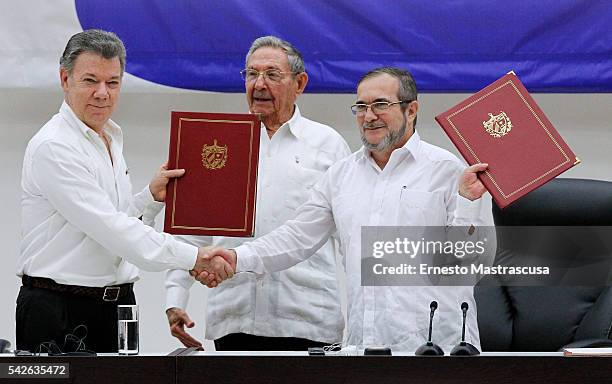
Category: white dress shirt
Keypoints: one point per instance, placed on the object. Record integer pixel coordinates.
(79, 218)
(304, 300)
(417, 187)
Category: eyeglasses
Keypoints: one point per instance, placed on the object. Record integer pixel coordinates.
(273, 75)
(378, 107)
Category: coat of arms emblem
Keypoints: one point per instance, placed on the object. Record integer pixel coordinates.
(498, 125)
(214, 156)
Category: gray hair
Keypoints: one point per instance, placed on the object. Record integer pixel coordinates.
(407, 86)
(106, 44)
(296, 62)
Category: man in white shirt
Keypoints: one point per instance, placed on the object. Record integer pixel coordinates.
(81, 235)
(395, 179)
(300, 307)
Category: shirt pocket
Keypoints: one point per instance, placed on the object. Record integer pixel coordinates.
(419, 208)
(300, 181)
(406, 316)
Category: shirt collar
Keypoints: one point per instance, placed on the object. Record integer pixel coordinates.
(68, 114)
(412, 145)
(294, 124)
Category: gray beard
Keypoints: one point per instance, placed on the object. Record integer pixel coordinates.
(389, 140)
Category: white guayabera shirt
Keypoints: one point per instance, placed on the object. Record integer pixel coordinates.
(304, 300)
(79, 217)
(417, 187)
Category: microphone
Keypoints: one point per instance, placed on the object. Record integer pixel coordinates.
(433, 306)
(463, 348)
(429, 348)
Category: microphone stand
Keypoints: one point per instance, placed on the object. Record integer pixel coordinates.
(463, 348)
(429, 348)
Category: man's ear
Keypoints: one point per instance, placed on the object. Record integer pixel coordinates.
(64, 78)
(302, 80)
(411, 112)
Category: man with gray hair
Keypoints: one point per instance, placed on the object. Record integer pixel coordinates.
(300, 307)
(81, 236)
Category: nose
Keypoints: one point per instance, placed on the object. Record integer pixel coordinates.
(370, 115)
(260, 82)
(101, 91)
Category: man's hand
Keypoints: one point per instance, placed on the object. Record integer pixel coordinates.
(470, 186)
(178, 320)
(157, 186)
(225, 258)
(212, 266)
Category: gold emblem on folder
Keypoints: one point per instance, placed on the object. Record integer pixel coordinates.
(498, 125)
(214, 156)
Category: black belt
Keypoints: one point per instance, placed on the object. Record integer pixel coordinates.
(112, 293)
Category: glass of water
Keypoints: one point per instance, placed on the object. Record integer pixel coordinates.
(127, 326)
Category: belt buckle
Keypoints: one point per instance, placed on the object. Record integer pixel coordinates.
(111, 293)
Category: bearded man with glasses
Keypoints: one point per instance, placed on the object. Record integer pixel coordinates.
(396, 179)
(300, 307)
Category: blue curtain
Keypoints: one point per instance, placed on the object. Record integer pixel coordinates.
(448, 45)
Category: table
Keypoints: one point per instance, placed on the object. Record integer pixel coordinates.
(103, 369)
(186, 366)
(496, 368)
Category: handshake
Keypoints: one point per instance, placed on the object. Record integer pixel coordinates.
(213, 265)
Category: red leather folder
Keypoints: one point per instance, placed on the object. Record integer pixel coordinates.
(217, 194)
(503, 126)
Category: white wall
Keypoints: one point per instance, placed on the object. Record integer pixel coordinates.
(582, 119)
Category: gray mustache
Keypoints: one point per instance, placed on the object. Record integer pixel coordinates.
(372, 126)
(261, 95)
